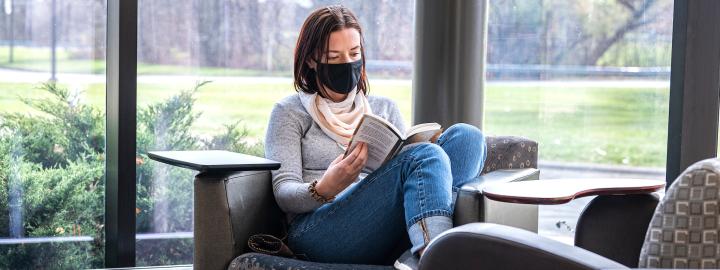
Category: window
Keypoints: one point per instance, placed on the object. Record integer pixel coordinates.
(589, 80)
(52, 133)
(209, 73)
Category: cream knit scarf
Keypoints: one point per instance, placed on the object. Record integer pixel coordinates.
(337, 119)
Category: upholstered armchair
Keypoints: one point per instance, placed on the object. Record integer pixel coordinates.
(234, 201)
(681, 231)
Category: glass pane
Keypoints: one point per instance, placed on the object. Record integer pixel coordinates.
(588, 80)
(52, 134)
(209, 73)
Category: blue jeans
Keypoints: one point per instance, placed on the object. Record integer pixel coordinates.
(368, 219)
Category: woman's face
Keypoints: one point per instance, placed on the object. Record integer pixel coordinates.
(343, 47)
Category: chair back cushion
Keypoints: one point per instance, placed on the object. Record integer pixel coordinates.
(510, 152)
(683, 232)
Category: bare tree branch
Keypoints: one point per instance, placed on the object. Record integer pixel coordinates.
(635, 21)
(628, 5)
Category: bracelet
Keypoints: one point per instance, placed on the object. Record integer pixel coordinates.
(316, 195)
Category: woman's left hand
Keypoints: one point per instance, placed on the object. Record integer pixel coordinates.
(343, 171)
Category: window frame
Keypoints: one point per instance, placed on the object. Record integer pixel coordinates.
(689, 138)
(121, 129)
(694, 85)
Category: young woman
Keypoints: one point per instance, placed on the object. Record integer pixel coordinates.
(338, 211)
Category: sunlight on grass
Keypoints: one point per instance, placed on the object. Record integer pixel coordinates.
(576, 124)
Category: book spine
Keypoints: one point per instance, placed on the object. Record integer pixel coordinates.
(395, 150)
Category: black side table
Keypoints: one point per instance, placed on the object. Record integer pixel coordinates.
(214, 161)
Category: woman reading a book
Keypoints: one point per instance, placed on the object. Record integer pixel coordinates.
(339, 210)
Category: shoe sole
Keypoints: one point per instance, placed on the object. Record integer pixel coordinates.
(400, 266)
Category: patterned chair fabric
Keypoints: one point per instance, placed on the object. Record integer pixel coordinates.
(257, 261)
(683, 232)
(510, 152)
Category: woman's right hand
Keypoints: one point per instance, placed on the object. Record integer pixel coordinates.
(342, 172)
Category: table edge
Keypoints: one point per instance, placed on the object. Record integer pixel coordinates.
(214, 168)
(580, 194)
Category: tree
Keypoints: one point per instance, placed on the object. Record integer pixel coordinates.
(568, 32)
(639, 15)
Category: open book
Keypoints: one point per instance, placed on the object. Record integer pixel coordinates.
(384, 140)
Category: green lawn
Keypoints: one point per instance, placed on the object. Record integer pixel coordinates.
(575, 124)
(38, 59)
(589, 124)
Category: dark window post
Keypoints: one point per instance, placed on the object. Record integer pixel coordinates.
(694, 85)
(449, 72)
(121, 128)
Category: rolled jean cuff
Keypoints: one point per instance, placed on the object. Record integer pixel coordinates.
(440, 212)
(426, 229)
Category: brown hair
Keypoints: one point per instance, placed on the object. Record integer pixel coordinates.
(314, 41)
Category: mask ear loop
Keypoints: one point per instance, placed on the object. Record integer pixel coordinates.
(321, 86)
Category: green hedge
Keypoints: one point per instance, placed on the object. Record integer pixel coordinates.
(52, 174)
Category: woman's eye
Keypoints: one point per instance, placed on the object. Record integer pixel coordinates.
(355, 54)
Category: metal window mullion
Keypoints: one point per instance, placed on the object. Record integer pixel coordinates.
(449, 61)
(121, 104)
(694, 85)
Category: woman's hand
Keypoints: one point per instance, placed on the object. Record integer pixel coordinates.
(342, 172)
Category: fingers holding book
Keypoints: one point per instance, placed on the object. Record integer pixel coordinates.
(343, 171)
(361, 158)
(355, 160)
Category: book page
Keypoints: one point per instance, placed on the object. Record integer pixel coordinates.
(422, 128)
(423, 136)
(422, 132)
(380, 138)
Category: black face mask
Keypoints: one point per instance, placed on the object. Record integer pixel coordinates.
(341, 78)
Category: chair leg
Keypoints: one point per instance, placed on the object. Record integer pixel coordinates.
(212, 229)
(614, 226)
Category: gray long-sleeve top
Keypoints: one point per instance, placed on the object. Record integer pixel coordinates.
(305, 152)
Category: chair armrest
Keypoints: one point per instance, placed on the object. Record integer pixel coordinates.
(470, 203)
(502, 176)
(509, 158)
(233, 200)
(492, 246)
(228, 209)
